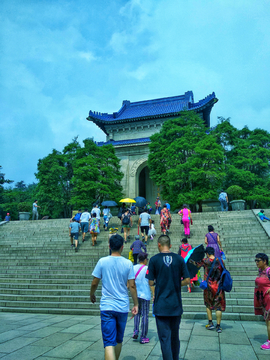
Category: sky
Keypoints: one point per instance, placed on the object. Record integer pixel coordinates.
(60, 59)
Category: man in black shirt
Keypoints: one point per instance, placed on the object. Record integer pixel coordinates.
(165, 270)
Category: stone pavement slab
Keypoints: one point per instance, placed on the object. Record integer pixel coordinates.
(55, 337)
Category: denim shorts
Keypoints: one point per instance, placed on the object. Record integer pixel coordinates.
(113, 326)
(84, 226)
(75, 235)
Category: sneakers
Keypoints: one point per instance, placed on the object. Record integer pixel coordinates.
(76, 250)
(210, 326)
(135, 335)
(218, 329)
(266, 345)
(144, 340)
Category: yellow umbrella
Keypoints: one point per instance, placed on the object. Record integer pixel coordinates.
(127, 200)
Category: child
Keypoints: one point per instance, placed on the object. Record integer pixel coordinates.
(144, 297)
(183, 251)
(74, 228)
(262, 216)
(152, 231)
(94, 228)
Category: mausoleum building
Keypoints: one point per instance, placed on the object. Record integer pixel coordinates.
(129, 131)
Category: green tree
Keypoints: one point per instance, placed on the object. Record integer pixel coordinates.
(53, 185)
(97, 175)
(247, 157)
(185, 161)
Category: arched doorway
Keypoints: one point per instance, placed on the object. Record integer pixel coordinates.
(145, 185)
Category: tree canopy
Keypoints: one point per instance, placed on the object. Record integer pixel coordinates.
(78, 177)
(247, 159)
(192, 163)
(185, 161)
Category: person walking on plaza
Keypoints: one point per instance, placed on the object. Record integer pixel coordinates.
(116, 272)
(212, 239)
(262, 293)
(165, 216)
(214, 299)
(144, 222)
(185, 213)
(126, 221)
(223, 199)
(94, 228)
(144, 297)
(137, 247)
(35, 210)
(165, 271)
(84, 221)
(74, 228)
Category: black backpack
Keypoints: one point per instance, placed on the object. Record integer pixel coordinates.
(126, 220)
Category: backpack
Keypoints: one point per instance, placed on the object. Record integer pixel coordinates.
(222, 196)
(226, 281)
(126, 220)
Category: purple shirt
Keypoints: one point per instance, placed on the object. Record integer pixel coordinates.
(136, 246)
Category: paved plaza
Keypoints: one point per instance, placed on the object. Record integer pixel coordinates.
(53, 337)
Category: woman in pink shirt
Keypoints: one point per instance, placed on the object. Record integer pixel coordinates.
(185, 213)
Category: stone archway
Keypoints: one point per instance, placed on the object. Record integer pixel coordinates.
(145, 186)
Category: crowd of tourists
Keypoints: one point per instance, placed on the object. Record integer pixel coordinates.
(160, 278)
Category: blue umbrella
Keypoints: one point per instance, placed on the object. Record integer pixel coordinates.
(109, 203)
(140, 201)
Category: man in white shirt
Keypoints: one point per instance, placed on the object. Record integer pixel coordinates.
(116, 272)
(96, 210)
(35, 210)
(84, 221)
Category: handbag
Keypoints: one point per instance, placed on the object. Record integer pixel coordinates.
(204, 284)
(130, 256)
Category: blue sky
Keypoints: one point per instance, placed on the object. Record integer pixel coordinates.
(59, 59)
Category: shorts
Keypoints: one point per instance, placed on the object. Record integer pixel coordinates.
(75, 235)
(84, 227)
(113, 326)
(144, 229)
(126, 226)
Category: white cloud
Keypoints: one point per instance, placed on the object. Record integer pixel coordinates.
(88, 56)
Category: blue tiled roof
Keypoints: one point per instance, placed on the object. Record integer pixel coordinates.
(124, 142)
(152, 108)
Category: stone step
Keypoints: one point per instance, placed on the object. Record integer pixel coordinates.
(40, 273)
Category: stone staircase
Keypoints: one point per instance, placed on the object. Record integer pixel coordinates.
(39, 272)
